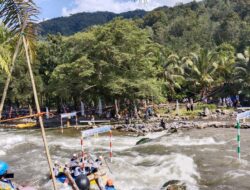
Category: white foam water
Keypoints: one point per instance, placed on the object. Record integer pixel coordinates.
(151, 172)
(186, 156)
(2, 153)
(8, 142)
(188, 141)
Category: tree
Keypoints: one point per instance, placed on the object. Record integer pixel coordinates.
(117, 60)
(229, 30)
(173, 73)
(225, 54)
(200, 70)
(17, 16)
(5, 49)
(242, 70)
(74, 78)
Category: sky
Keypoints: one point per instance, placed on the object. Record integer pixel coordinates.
(56, 8)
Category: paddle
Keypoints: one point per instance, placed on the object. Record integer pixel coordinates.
(107, 165)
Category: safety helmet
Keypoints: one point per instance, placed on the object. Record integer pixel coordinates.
(82, 182)
(56, 162)
(74, 155)
(3, 167)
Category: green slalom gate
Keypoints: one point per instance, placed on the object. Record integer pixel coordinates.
(240, 116)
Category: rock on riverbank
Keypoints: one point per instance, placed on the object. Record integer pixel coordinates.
(156, 126)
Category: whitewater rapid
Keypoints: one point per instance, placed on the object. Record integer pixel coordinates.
(203, 159)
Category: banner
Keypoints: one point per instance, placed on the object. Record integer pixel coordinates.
(243, 115)
(99, 130)
(67, 115)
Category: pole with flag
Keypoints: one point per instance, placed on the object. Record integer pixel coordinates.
(82, 109)
(47, 113)
(238, 139)
(240, 116)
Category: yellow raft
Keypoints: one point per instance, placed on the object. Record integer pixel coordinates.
(25, 125)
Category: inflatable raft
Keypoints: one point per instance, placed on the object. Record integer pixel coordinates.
(63, 185)
(25, 125)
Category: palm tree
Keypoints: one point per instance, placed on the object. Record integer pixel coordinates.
(200, 69)
(226, 64)
(5, 49)
(173, 72)
(242, 69)
(18, 16)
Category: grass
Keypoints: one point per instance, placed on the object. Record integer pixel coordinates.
(192, 114)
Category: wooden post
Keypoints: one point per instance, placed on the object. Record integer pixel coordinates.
(61, 125)
(68, 122)
(39, 111)
(76, 122)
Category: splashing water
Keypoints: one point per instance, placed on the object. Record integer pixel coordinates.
(203, 159)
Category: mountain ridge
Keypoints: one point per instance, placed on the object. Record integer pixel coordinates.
(80, 21)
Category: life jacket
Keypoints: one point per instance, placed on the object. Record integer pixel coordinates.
(78, 171)
(61, 169)
(109, 187)
(6, 185)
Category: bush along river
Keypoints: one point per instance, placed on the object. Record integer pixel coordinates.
(200, 159)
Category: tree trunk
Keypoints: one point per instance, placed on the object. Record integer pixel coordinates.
(7, 83)
(39, 111)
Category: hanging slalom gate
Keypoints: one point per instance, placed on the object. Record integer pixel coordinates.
(68, 116)
(241, 116)
(92, 132)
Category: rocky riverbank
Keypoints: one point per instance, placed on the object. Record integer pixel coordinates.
(173, 125)
(219, 118)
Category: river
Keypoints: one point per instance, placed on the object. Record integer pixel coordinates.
(205, 159)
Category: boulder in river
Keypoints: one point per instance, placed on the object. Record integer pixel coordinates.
(174, 185)
(143, 140)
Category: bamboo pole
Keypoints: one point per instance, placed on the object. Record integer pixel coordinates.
(39, 111)
(71, 180)
(22, 117)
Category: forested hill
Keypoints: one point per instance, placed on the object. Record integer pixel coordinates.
(79, 22)
(204, 24)
(182, 28)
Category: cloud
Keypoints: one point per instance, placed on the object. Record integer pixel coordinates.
(116, 6)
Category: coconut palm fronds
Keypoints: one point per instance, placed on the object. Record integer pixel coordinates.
(17, 15)
(14, 13)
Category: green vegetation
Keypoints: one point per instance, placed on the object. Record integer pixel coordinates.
(193, 50)
(81, 21)
(5, 49)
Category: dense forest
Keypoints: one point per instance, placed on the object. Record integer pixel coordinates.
(200, 49)
(81, 21)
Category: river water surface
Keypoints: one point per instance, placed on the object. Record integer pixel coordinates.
(204, 159)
